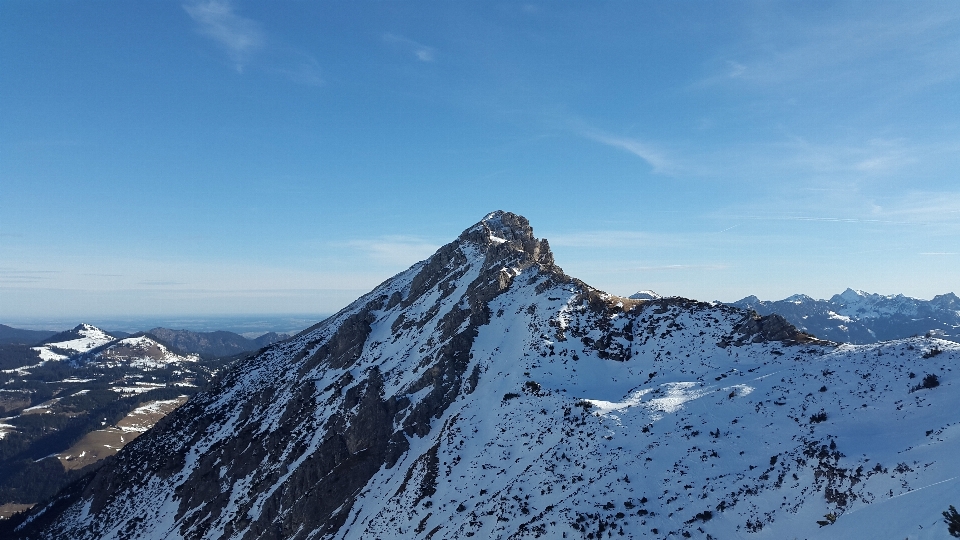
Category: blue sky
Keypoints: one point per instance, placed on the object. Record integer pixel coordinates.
(164, 158)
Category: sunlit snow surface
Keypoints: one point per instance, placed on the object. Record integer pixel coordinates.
(767, 438)
(90, 337)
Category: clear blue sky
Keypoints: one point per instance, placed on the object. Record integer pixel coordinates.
(165, 158)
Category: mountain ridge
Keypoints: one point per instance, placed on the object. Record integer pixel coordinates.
(859, 317)
(483, 392)
(10, 335)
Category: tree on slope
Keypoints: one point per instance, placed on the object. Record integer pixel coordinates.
(952, 519)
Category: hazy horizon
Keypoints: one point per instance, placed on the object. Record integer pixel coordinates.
(240, 324)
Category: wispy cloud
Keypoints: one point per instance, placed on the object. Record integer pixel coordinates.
(925, 206)
(247, 44)
(422, 52)
(238, 36)
(668, 267)
(395, 250)
(920, 44)
(872, 157)
(735, 69)
(605, 239)
(9, 276)
(641, 149)
(296, 65)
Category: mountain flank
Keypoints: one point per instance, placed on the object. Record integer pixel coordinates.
(212, 344)
(485, 393)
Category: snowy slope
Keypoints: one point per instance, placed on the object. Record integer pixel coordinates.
(483, 393)
(138, 352)
(79, 340)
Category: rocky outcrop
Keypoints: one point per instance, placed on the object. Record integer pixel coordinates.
(773, 327)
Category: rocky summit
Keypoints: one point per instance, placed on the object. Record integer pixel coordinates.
(484, 393)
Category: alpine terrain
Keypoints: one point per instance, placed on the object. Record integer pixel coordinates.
(861, 317)
(80, 396)
(484, 393)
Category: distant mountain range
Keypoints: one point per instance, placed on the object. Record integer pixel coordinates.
(859, 317)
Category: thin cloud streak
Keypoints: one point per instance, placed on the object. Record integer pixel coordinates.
(842, 52)
(422, 52)
(238, 35)
(682, 267)
(395, 250)
(609, 239)
(644, 151)
(246, 44)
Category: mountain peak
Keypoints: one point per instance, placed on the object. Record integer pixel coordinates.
(503, 233)
(499, 227)
(851, 295)
(947, 301)
(645, 295)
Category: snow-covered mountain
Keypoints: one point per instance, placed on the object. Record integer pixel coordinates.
(484, 393)
(860, 317)
(139, 351)
(645, 295)
(79, 340)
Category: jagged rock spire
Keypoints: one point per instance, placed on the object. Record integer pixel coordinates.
(503, 233)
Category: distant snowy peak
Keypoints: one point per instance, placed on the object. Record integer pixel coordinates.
(645, 295)
(947, 301)
(85, 337)
(87, 343)
(81, 339)
(850, 295)
(749, 302)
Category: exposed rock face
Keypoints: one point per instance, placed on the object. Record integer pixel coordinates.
(457, 399)
(773, 327)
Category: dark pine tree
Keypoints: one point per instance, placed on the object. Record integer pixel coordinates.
(952, 519)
